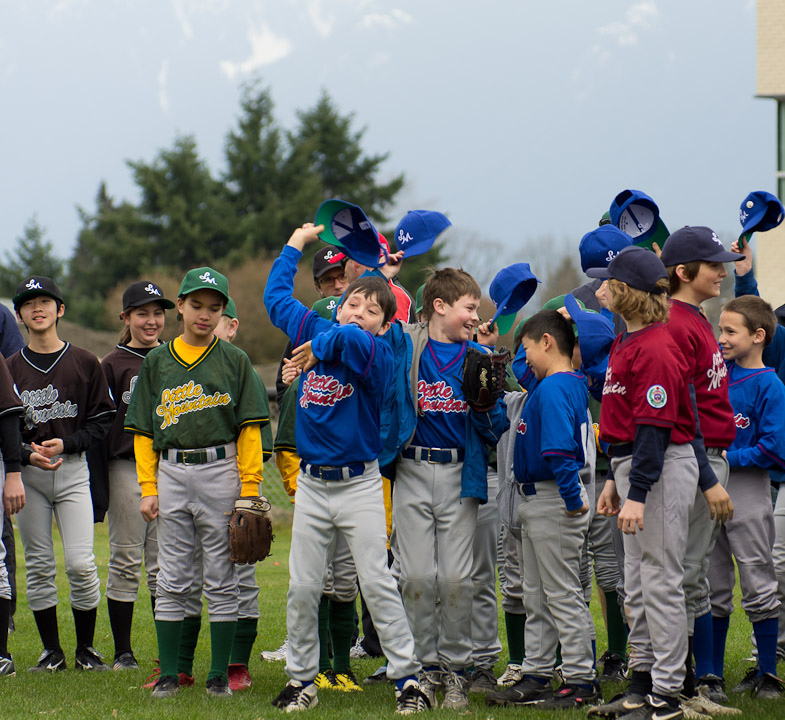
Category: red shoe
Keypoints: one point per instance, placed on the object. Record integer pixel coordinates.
(153, 679)
(239, 677)
(185, 680)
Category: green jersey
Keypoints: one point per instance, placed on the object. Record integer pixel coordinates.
(199, 405)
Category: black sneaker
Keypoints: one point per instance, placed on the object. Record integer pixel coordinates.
(620, 705)
(7, 668)
(655, 708)
(125, 661)
(482, 680)
(217, 687)
(528, 691)
(50, 661)
(614, 668)
(574, 696)
(88, 658)
(713, 687)
(411, 699)
(767, 687)
(296, 697)
(378, 676)
(748, 682)
(166, 687)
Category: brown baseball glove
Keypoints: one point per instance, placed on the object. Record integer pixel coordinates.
(483, 377)
(250, 530)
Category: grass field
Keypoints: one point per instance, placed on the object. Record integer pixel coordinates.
(88, 696)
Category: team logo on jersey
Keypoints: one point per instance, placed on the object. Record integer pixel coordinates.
(741, 421)
(403, 239)
(43, 405)
(717, 371)
(522, 427)
(186, 399)
(152, 290)
(127, 394)
(438, 397)
(324, 390)
(612, 388)
(656, 396)
(33, 284)
(208, 278)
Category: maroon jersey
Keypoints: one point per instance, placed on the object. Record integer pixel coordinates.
(61, 398)
(707, 373)
(646, 384)
(121, 367)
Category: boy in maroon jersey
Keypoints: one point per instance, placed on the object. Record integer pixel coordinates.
(647, 418)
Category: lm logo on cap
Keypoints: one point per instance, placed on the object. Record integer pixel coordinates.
(403, 239)
(152, 290)
(716, 239)
(33, 284)
(206, 277)
(610, 255)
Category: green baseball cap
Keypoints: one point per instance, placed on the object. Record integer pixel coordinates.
(230, 310)
(555, 303)
(326, 307)
(204, 278)
(418, 299)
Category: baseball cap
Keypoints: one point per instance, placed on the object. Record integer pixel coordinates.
(326, 258)
(594, 331)
(418, 299)
(635, 213)
(600, 246)
(204, 278)
(555, 303)
(230, 310)
(142, 292)
(638, 267)
(760, 211)
(347, 227)
(692, 243)
(417, 231)
(510, 290)
(325, 307)
(33, 286)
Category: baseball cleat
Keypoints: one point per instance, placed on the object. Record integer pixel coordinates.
(712, 687)
(512, 675)
(50, 661)
(239, 677)
(614, 669)
(347, 681)
(705, 706)
(411, 699)
(7, 668)
(620, 705)
(528, 691)
(748, 681)
(295, 696)
(574, 696)
(325, 680)
(166, 687)
(125, 661)
(377, 676)
(218, 687)
(275, 655)
(767, 687)
(88, 658)
(482, 680)
(455, 696)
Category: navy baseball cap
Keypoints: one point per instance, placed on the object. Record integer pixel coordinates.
(594, 330)
(600, 246)
(760, 211)
(418, 230)
(326, 258)
(510, 290)
(346, 226)
(142, 292)
(636, 266)
(695, 243)
(34, 286)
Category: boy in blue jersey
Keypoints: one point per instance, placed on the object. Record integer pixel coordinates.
(747, 325)
(345, 369)
(441, 477)
(549, 452)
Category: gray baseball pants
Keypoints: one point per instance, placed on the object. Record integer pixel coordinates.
(5, 586)
(551, 546)
(64, 493)
(654, 569)
(248, 590)
(355, 507)
(435, 536)
(512, 586)
(778, 556)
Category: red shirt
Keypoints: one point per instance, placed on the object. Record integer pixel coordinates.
(707, 373)
(646, 384)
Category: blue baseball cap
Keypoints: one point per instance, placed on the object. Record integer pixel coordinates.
(695, 243)
(600, 246)
(346, 226)
(418, 230)
(634, 212)
(638, 267)
(760, 211)
(510, 290)
(594, 330)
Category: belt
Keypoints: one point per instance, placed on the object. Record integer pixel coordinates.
(527, 489)
(333, 472)
(442, 456)
(200, 456)
(714, 451)
(620, 450)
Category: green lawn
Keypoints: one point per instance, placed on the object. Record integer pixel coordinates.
(86, 696)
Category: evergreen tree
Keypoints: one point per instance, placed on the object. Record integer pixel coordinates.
(34, 255)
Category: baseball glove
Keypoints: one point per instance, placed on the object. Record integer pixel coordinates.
(250, 530)
(483, 377)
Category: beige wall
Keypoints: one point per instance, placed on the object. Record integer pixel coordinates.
(770, 264)
(771, 48)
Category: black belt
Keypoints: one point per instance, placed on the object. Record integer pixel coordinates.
(714, 451)
(442, 456)
(620, 450)
(527, 489)
(333, 472)
(195, 457)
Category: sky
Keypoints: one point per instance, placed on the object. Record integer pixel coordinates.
(520, 120)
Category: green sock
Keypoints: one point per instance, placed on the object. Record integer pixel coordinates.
(190, 636)
(324, 634)
(617, 629)
(221, 641)
(341, 631)
(168, 632)
(244, 638)
(515, 625)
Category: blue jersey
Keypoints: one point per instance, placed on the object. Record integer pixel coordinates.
(551, 434)
(757, 397)
(339, 400)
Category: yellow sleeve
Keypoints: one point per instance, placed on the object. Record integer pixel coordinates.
(249, 459)
(146, 465)
(288, 464)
